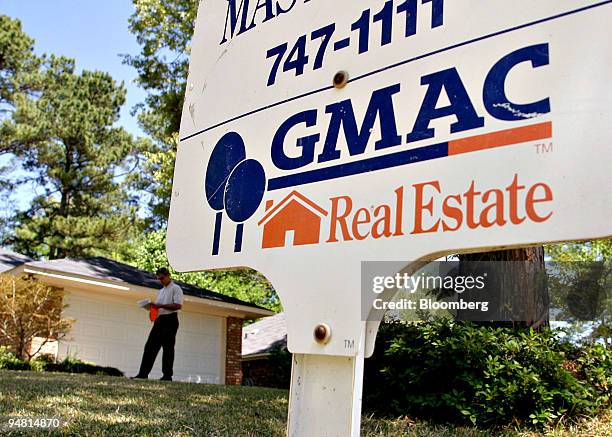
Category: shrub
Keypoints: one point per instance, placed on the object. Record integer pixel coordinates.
(30, 309)
(9, 360)
(72, 365)
(44, 363)
(461, 372)
(593, 365)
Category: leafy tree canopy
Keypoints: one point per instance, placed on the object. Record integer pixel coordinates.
(600, 329)
(17, 60)
(164, 29)
(79, 163)
(594, 250)
(18, 74)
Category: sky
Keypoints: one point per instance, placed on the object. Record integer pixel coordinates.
(94, 33)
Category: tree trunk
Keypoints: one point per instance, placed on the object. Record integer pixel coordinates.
(518, 285)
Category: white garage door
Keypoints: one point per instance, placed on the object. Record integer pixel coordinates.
(113, 331)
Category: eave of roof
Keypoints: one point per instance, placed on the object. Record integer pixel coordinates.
(99, 268)
(10, 260)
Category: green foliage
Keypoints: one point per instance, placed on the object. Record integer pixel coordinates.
(72, 365)
(593, 365)
(600, 327)
(280, 365)
(18, 67)
(245, 284)
(43, 363)
(10, 361)
(58, 127)
(156, 179)
(17, 61)
(79, 162)
(594, 250)
(463, 373)
(164, 29)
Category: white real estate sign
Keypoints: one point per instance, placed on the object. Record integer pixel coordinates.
(463, 125)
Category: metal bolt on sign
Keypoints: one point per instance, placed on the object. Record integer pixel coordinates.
(341, 79)
(322, 333)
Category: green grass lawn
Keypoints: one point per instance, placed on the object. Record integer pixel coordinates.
(102, 405)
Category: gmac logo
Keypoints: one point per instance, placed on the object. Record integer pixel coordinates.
(237, 184)
(233, 183)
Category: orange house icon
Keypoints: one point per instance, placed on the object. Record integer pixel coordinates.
(295, 220)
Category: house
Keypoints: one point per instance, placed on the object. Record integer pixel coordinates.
(110, 329)
(294, 220)
(260, 341)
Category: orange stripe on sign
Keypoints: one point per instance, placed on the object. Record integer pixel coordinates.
(501, 138)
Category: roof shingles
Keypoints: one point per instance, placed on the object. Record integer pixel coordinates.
(104, 268)
(9, 260)
(260, 337)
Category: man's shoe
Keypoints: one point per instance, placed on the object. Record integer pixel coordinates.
(139, 377)
(165, 378)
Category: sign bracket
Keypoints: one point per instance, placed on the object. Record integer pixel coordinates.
(325, 395)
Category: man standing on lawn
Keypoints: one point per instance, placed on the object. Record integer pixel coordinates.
(163, 334)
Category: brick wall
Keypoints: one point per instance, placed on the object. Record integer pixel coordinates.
(233, 351)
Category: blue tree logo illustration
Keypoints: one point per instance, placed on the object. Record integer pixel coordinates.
(233, 183)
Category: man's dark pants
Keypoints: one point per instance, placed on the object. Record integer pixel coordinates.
(162, 335)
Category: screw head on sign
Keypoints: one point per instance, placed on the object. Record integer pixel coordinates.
(341, 79)
(322, 333)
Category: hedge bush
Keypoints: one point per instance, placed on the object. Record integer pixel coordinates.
(44, 363)
(460, 372)
(9, 361)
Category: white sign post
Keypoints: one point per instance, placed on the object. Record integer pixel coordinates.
(318, 134)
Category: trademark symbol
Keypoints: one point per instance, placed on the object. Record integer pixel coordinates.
(349, 344)
(542, 148)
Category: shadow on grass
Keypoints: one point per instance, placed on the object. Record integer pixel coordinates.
(107, 405)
